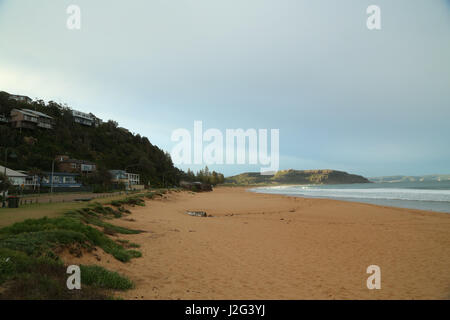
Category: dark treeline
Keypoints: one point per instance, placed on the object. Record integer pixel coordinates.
(108, 145)
(205, 176)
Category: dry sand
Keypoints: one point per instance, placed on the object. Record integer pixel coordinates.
(260, 246)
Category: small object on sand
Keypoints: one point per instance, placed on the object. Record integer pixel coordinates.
(197, 213)
(83, 199)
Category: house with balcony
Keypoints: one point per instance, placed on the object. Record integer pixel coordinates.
(86, 119)
(130, 180)
(18, 98)
(82, 118)
(30, 119)
(133, 179)
(66, 164)
(23, 120)
(16, 178)
(60, 180)
(32, 181)
(118, 176)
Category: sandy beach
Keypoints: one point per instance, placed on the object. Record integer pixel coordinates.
(258, 246)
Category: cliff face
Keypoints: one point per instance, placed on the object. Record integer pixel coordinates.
(298, 177)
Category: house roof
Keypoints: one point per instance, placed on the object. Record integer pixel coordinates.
(15, 95)
(27, 112)
(12, 173)
(37, 113)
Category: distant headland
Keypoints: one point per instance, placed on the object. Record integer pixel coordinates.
(297, 177)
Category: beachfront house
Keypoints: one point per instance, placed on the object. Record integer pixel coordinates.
(119, 177)
(131, 181)
(16, 178)
(32, 181)
(60, 180)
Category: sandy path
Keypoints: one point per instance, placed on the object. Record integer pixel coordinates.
(273, 247)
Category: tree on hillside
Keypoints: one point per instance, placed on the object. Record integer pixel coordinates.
(205, 176)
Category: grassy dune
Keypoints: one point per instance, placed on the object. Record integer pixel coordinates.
(30, 267)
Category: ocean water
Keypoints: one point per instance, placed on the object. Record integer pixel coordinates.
(433, 196)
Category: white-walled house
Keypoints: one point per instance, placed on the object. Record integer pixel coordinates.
(15, 177)
(133, 179)
(130, 180)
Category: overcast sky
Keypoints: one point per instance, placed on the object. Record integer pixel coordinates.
(344, 97)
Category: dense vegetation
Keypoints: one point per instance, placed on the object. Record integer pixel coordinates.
(108, 145)
(297, 177)
(205, 176)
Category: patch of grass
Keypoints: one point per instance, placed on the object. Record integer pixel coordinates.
(123, 210)
(41, 242)
(99, 277)
(150, 195)
(135, 253)
(41, 235)
(132, 201)
(105, 211)
(128, 244)
(91, 217)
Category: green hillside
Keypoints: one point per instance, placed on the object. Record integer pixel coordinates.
(108, 145)
(297, 177)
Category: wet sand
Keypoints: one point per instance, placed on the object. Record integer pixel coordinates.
(258, 246)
